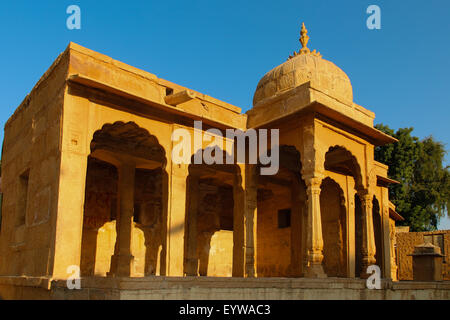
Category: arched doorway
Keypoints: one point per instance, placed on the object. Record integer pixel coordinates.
(281, 218)
(334, 228)
(212, 190)
(345, 167)
(124, 222)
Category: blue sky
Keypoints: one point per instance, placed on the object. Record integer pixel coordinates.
(222, 48)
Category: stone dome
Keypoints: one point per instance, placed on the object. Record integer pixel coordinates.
(301, 68)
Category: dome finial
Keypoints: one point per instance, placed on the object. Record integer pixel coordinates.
(304, 39)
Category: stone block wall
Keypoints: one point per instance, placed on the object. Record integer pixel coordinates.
(406, 241)
(212, 288)
(274, 243)
(30, 176)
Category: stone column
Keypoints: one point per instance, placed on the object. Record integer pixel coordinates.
(175, 226)
(66, 216)
(387, 246)
(368, 236)
(192, 258)
(393, 252)
(238, 228)
(250, 222)
(351, 232)
(313, 160)
(296, 229)
(314, 258)
(244, 223)
(122, 260)
(69, 214)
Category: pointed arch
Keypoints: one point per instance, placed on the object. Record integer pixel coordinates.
(339, 159)
(112, 146)
(128, 138)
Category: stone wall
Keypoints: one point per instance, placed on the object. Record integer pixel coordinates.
(30, 177)
(206, 288)
(273, 243)
(406, 241)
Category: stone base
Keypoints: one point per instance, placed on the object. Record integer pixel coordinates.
(121, 265)
(315, 271)
(208, 288)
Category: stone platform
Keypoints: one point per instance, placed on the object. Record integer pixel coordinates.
(209, 288)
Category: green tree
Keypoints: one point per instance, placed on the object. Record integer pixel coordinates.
(423, 195)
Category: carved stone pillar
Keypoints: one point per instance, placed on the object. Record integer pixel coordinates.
(297, 203)
(393, 252)
(368, 236)
(351, 264)
(192, 258)
(313, 159)
(250, 219)
(314, 255)
(386, 244)
(238, 229)
(122, 260)
(244, 225)
(388, 249)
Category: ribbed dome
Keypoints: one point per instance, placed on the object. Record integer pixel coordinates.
(303, 67)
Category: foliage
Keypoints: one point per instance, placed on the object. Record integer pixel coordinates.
(423, 195)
